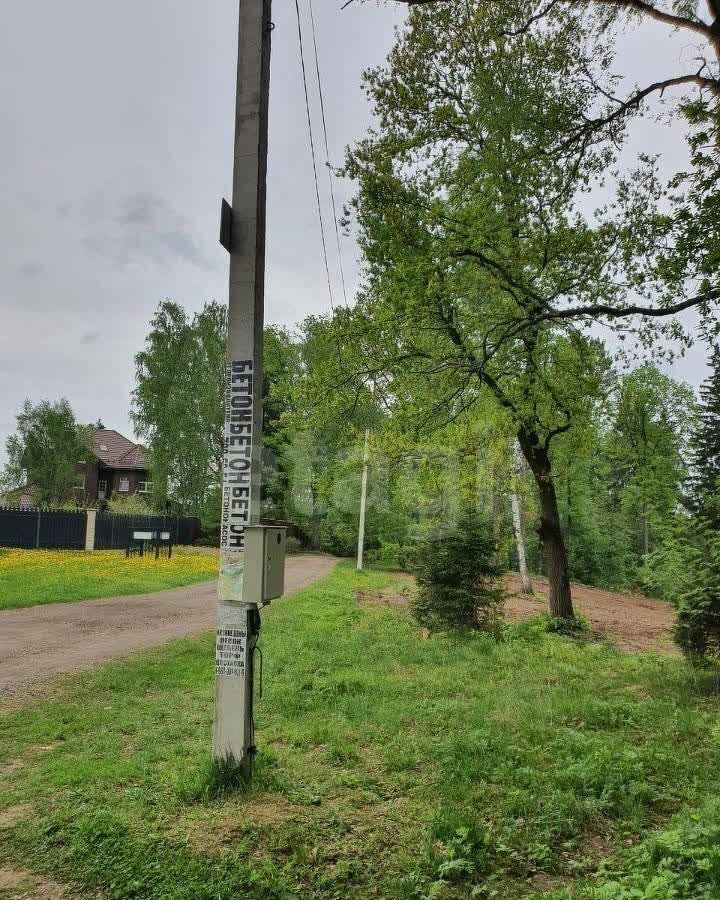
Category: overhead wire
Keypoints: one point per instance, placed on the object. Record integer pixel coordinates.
(313, 154)
(338, 348)
(327, 151)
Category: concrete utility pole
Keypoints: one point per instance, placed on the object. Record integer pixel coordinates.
(363, 501)
(243, 235)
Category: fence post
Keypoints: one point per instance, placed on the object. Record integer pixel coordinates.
(90, 515)
(37, 531)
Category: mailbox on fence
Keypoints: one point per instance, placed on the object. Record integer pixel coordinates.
(159, 542)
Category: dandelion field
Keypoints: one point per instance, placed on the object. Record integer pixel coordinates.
(33, 577)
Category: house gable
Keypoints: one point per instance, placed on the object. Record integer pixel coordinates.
(120, 466)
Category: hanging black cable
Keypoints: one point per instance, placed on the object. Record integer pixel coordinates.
(327, 151)
(312, 153)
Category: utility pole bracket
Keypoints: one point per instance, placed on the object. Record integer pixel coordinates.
(226, 225)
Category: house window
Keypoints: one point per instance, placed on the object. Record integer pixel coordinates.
(102, 489)
(80, 483)
(124, 485)
(145, 487)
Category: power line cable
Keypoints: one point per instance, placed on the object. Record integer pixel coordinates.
(327, 151)
(312, 153)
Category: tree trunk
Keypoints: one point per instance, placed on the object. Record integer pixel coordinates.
(549, 528)
(525, 583)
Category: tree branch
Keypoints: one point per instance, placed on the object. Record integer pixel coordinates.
(601, 310)
(502, 270)
(534, 18)
(475, 365)
(633, 102)
(661, 16)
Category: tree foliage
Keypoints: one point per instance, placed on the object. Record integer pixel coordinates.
(706, 451)
(46, 450)
(178, 403)
(697, 628)
(648, 446)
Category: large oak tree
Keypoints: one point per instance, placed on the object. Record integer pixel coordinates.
(485, 269)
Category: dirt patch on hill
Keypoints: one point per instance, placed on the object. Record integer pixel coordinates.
(373, 599)
(213, 834)
(13, 815)
(18, 884)
(630, 621)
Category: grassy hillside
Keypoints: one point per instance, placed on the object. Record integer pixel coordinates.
(392, 765)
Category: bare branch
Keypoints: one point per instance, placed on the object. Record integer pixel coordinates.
(601, 310)
(634, 102)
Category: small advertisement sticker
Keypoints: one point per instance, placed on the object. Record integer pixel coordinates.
(231, 643)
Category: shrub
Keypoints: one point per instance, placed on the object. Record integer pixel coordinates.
(387, 554)
(132, 504)
(697, 626)
(293, 545)
(683, 862)
(574, 627)
(458, 576)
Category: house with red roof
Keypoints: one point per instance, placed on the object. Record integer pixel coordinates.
(117, 468)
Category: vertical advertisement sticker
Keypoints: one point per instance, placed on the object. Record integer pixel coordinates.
(237, 455)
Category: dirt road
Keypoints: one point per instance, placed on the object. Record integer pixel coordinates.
(43, 641)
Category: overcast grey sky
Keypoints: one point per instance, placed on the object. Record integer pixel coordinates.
(116, 150)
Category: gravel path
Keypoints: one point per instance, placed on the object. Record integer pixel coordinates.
(43, 641)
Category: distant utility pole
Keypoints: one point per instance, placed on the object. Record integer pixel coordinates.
(363, 501)
(243, 235)
(525, 583)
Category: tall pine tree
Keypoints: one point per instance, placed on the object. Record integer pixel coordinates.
(706, 458)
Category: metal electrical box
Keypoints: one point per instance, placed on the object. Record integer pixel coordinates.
(264, 575)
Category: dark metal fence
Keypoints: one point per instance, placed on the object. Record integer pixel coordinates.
(114, 531)
(65, 530)
(44, 529)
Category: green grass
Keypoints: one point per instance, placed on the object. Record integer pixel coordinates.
(390, 766)
(34, 577)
